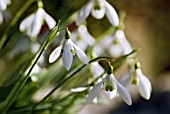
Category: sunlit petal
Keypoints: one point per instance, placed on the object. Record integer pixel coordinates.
(111, 94)
(78, 89)
(49, 20)
(81, 55)
(86, 35)
(96, 69)
(25, 24)
(98, 14)
(123, 42)
(37, 24)
(84, 13)
(111, 14)
(115, 50)
(123, 92)
(3, 6)
(144, 85)
(94, 92)
(55, 54)
(67, 56)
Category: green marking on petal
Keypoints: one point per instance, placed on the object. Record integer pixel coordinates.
(72, 51)
(134, 80)
(109, 88)
(97, 7)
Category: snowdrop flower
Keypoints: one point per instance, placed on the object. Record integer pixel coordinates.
(98, 8)
(68, 50)
(137, 78)
(3, 6)
(82, 37)
(116, 44)
(33, 23)
(120, 46)
(126, 47)
(111, 87)
(105, 43)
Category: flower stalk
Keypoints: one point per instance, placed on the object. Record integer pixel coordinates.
(20, 84)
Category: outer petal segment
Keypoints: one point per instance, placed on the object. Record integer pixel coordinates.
(111, 14)
(67, 56)
(123, 92)
(81, 55)
(84, 13)
(94, 92)
(55, 54)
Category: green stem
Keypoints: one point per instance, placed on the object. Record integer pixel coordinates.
(19, 86)
(70, 76)
(13, 22)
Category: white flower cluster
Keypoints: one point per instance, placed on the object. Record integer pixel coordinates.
(98, 8)
(117, 45)
(3, 7)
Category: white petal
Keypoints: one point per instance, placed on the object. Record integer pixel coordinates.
(84, 13)
(67, 56)
(144, 86)
(125, 79)
(96, 69)
(2, 5)
(78, 89)
(49, 20)
(98, 14)
(86, 35)
(37, 24)
(81, 55)
(123, 92)
(26, 22)
(94, 92)
(55, 54)
(70, 44)
(123, 42)
(111, 94)
(111, 14)
(115, 50)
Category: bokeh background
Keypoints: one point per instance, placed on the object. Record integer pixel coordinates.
(147, 26)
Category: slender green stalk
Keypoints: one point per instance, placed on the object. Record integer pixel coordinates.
(70, 76)
(115, 64)
(19, 86)
(14, 21)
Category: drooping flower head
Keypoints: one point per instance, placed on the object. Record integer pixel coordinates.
(33, 23)
(82, 38)
(68, 50)
(98, 8)
(111, 87)
(136, 77)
